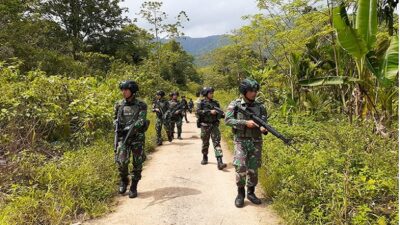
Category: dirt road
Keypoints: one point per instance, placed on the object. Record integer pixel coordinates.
(176, 189)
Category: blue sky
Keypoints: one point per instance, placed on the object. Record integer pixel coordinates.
(207, 17)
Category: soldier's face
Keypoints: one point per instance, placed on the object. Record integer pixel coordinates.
(210, 95)
(174, 97)
(158, 97)
(126, 93)
(251, 95)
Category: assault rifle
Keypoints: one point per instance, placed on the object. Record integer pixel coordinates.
(260, 122)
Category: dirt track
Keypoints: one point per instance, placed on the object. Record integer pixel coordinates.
(176, 189)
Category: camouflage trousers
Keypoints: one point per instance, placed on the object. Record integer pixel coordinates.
(136, 149)
(213, 132)
(247, 160)
(159, 123)
(175, 121)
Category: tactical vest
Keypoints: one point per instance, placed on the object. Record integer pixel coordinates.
(162, 104)
(208, 105)
(253, 133)
(128, 112)
(172, 106)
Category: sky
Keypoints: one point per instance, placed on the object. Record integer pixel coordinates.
(207, 17)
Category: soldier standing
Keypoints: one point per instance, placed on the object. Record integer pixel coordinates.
(131, 123)
(209, 116)
(247, 140)
(174, 115)
(160, 107)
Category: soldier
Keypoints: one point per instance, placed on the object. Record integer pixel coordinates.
(160, 107)
(130, 119)
(185, 107)
(174, 115)
(209, 118)
(247, 140)
(190, 105)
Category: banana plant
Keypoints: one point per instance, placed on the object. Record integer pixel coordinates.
(359, 41)
(358, 38)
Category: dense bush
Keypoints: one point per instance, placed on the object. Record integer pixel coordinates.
(63, 188)
(342, 173)
(56, 134)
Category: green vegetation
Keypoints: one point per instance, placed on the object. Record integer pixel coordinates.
(328, 75)
(59, 75)
(330, 82)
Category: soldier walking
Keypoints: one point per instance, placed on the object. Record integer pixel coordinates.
(174, 115)
(131, 124)
(209, 116)
(160, 107)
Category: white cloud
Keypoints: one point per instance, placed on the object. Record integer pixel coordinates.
(207, 17)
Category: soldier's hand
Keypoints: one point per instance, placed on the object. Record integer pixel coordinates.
(157, 110)
(213, 112)
(263, 130)
(251, 124)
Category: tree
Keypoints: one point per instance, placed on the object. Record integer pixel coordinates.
(152, 13)
(176, 65)
(130, 44)
(83, 19)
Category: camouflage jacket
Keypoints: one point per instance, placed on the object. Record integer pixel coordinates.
(204, 112)
(162, 105)
(238, 121)
(132, 113)
(172, 105)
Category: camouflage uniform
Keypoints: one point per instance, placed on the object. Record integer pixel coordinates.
(131, 114)
(175, 119)
(163, 106)
(185, 109)
(190, 105)
(248, 142)
(209, 127)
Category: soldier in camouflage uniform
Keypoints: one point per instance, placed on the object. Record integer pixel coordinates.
(177, 116)
(160, 107)
(185, 108)
(130, 113)
(247, 140)
(190, 105)
(209, 124)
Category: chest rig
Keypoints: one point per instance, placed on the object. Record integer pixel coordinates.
(128, 113)
(253, 133)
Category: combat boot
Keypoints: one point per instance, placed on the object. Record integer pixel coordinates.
(179, 136)
(220, 164)
(205, 160)
(251, 196)
(133, 189)
(239, 201)
(122, 185)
